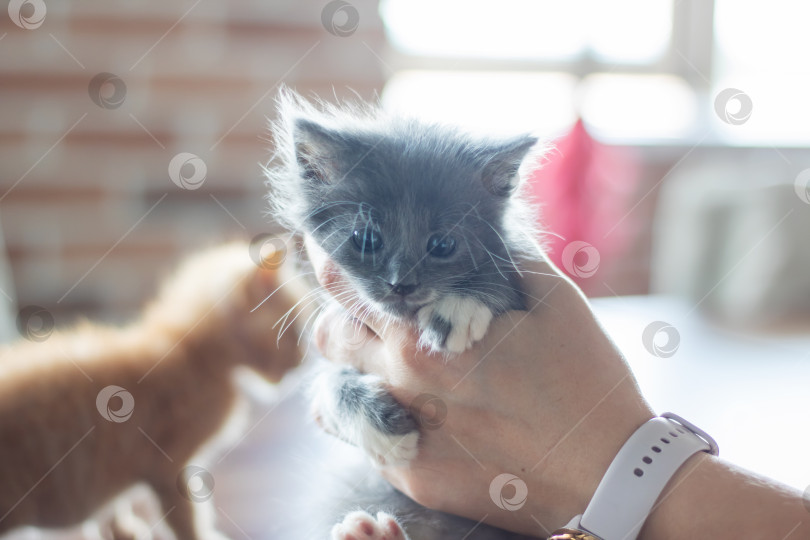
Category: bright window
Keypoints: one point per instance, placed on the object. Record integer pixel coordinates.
(635, 31)
(554, 47)
(637, 71)
(493, 102)
(761, 49)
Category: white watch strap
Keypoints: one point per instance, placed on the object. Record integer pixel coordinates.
(639, 473)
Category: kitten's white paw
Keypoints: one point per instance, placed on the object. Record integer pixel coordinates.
(363, 526)
(454, 323)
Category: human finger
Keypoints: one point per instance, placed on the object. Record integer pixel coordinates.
(346, 340)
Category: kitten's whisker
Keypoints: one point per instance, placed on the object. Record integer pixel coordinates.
(505, 246)
(287, 325)
(483, 245)
(332, 254)
(330, 235)
(469, 250)
(303, 303)
(363, 250)
(277, 289)
(540, 273)
(323, 307)
(492, 256)
(323, 208)
(333, 218)
(366, 310)
(285, 321)
(318, 312)
(300, 301)
(512, 265)
(305, 327)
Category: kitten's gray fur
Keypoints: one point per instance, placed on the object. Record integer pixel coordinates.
(343, 174)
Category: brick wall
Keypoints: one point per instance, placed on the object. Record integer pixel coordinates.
(90, 215)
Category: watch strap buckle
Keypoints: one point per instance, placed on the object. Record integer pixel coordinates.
(714, 448)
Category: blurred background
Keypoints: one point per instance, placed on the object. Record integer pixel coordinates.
(686, 107)
(678, 169)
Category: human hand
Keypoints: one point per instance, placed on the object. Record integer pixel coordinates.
(545, 396)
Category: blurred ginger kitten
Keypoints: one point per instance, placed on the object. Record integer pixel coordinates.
(91, 412)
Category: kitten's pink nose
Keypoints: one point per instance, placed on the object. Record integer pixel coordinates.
(403, 289)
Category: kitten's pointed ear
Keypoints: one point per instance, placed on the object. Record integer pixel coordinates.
(500, 172)
(316, 150)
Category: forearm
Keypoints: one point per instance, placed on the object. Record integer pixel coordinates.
(710, 498)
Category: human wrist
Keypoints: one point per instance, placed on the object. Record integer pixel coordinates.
(569, 481)
(709, 497)
(610, 432)
(627, 494)
(676, 501)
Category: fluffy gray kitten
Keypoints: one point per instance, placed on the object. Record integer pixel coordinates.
(428, 226)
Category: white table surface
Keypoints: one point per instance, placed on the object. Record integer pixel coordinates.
(751, 392)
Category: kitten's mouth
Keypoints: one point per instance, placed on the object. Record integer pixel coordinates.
(404, 307)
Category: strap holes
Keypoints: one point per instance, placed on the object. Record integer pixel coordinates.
(664, 440)
(638, 472)
(656, 449)
(647, 459)
(673, 433)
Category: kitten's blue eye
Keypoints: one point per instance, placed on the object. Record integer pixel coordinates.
(367, 240)
(441, 245)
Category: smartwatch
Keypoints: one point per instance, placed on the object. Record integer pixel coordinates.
(636, 477)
